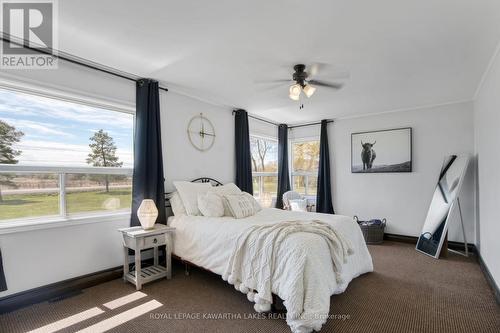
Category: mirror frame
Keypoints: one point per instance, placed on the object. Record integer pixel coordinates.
(452, 206)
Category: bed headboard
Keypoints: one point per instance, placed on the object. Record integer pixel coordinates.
(207, 180)
(212, 181)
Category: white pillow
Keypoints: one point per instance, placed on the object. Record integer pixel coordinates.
(210, 204)
(298, 205)
(229, 188)
(242, 205)
(177, 205)
(189, 194)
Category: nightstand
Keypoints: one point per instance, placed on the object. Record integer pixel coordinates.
(138, 239)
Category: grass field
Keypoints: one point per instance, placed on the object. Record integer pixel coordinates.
(43, 204)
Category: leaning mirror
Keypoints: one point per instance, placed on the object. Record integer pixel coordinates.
(444, 201)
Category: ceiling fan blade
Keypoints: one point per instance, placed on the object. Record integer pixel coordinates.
(325, 84)
(271, 87)
(328, 71)
(314, 69)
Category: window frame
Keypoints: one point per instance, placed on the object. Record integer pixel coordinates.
(301, 173)
(63, 218)
(261, 174)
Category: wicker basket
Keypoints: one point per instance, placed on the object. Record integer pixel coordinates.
(374, 234)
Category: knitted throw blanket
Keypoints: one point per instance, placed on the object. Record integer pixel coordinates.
(255, 257)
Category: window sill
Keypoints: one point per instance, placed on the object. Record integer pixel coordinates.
(23, 225)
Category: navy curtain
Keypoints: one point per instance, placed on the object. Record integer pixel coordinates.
(3, 283)
(324, 191)
(148, 181)
(283, 174)
(242, 150)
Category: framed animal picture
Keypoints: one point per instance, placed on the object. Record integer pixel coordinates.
(381, 151)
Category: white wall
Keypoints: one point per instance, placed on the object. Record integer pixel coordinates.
(39, 257)
(181, 160)
(261, 128)
(487, 120)
(403, 198)
(75, 82)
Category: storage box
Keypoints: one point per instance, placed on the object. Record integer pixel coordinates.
(373, 232)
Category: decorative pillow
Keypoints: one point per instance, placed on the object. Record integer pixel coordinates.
(298, 205)
(177, 205)
(189, 194)
(242, 205)
(229, 188)
(210, 204)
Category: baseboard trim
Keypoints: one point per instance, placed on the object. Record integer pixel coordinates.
(458, 246)
(57, 290)
(489, 277)
(401, 238)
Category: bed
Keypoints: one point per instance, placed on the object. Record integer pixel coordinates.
(207, 242)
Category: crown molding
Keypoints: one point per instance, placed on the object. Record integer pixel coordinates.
(487, 71)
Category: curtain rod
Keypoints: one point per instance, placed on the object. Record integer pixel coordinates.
(257, 118)
(289, 127)
(260, 119)
(72, 59)
(310, 124)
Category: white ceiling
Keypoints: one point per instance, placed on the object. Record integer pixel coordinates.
(400, 53)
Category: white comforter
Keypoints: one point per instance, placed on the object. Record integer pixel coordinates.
(209, 243)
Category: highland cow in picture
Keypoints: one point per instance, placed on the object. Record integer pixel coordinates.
(367, 154)
(393, 151)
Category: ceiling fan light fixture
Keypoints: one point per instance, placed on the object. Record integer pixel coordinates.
(309, 90)
(295, 92)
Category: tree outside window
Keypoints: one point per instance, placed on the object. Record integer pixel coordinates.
(103, 154)
(264, 154)
(305, 162)
(8, 137)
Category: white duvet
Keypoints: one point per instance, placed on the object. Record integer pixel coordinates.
(209, 243)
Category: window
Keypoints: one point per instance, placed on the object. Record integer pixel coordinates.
(62, 158)
(264, 153)
(305, 161)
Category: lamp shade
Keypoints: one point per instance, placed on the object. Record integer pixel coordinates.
(295, 92)
(147, 213)
(309, 90)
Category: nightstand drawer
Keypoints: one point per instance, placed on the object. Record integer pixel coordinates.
(153, 241)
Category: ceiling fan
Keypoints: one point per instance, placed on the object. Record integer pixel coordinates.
(303, 83)
(300, 76)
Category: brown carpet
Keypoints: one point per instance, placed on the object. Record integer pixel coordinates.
(408, 292)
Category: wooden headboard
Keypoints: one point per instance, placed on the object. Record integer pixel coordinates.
(212, 181)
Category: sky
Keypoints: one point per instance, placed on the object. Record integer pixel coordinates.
(57, 133)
